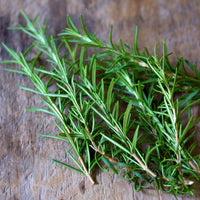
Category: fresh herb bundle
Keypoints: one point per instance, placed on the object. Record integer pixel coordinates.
(119, 109)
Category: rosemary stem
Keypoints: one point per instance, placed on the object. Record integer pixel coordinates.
(81, 161)
(86, 171)
(194, 167)
(102, 153)
(143, 166)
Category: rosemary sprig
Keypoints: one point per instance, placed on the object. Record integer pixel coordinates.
(118, 106)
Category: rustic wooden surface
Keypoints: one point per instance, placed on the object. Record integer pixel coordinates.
(26, 170)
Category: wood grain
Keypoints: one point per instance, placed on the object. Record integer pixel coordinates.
(26, 169)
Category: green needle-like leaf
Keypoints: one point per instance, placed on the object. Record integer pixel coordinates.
(68, 166)
(126, 119)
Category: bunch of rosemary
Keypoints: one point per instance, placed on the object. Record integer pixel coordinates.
(119, 109)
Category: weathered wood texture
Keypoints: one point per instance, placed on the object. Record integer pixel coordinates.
(26, 170)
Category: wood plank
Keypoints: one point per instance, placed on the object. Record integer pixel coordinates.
(26, 169)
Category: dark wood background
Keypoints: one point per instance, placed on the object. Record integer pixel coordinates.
(26, 169)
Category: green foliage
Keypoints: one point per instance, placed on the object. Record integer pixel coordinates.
(119, 106)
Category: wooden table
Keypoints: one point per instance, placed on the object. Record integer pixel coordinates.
(26, 169)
